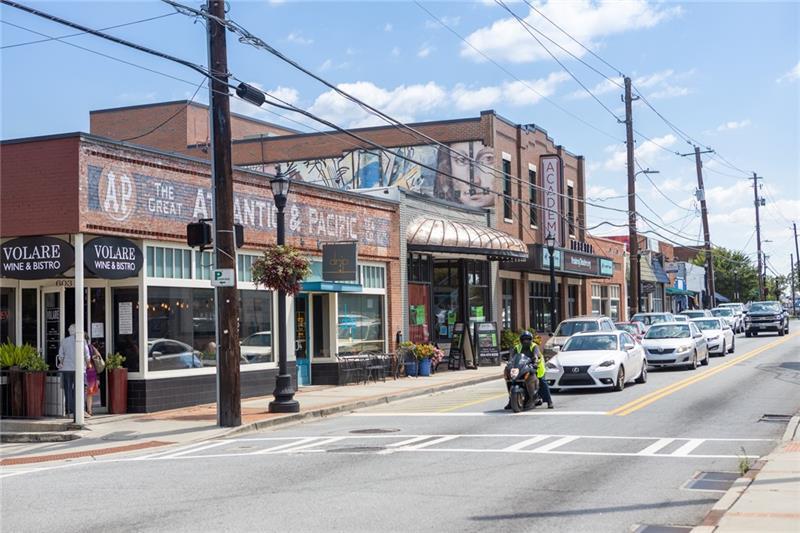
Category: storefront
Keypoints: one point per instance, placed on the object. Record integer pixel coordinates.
(153, 301)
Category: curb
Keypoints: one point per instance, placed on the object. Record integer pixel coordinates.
(323, 412)
(733, 494)
(50, 436)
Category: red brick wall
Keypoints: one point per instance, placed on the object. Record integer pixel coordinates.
(39, 187)
(197, 127)
(614, 250)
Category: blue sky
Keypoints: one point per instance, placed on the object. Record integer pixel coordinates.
(725, 73)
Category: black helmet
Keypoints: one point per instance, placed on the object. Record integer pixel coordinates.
(525, 335)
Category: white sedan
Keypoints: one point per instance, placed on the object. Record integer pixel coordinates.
(597, 360)
(718, 333)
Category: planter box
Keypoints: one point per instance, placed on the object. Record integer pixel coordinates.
(33, 387)
(425, 367)
(118, 391)
(412, 368)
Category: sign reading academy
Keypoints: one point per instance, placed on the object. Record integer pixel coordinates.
(134, 198)
(112, 258)
(551, 178)
(35, 258)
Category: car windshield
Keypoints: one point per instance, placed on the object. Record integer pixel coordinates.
(766, 307)
(694, 314)
(591, 342)
(681, 318)
(630, 328)
(722, 312)
(648, 320)
(668, 331)
(566, 329)
(707, 324)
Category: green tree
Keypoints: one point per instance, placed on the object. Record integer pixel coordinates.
(777, 287)
(735, 276)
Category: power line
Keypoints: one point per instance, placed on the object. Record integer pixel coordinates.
(165, 122)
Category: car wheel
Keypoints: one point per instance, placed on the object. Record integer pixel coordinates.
(693, 363)
(747, 333)
(704, 362)
(643, 376)
(755, 334)
(733, 346)
(780, 332)
(620, 384)
(724, 349)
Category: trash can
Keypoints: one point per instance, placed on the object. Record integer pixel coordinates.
(54, 395)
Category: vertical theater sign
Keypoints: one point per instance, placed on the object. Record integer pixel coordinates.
(551, 178)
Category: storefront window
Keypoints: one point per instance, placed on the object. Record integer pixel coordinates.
(255, 326)
(30, 321)
(244, 262)
(372, 277)
(180, 326)
(419, 312)
(360, 326)
(540, 305)
(7, 316)
(446, 310)
(508, 304)
(613, 293)
(597, 300)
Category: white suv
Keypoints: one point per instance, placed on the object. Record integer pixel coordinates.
(578, 324)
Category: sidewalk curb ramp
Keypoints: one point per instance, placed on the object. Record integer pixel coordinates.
(17, 431)
(733, 494)
(323, 412)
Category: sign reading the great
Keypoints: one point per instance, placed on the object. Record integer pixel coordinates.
(164, 201)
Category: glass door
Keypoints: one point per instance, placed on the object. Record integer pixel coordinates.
(301, 352)
(53, 322)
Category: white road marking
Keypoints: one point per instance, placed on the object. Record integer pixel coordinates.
(407, 441)
(194, 449)
(488, 413)
(298, 442)
(658, 445)
(322, 442)
(687, 448)
(553, 445)
(525, 443)
(425, 444)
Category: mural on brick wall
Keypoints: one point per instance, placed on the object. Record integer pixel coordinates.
(363, 169)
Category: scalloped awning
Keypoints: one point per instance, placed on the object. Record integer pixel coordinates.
(442, 235)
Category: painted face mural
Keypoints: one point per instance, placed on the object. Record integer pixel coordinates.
(472, 181)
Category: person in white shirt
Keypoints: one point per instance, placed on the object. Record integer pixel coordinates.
(66, 363)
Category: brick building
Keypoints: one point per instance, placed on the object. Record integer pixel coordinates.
(608, 296)
(156, 305)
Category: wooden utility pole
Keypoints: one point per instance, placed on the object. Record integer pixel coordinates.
(710, 284)
(791, 274)
(632, 236)
(757, 203)
(796, 254)
(226, 298)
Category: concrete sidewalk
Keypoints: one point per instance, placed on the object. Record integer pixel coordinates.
(108, 434)
(767, 498)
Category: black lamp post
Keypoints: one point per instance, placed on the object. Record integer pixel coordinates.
(641, 293)
(284, 401)
(551, 246)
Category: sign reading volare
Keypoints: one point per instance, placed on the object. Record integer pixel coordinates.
(112, 258)
(551, 178)
(35, 258)
(339, 261)
(139, 198)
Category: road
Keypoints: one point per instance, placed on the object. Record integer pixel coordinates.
(455, 461)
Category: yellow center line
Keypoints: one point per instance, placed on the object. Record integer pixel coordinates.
(654, 396)
(472, 402)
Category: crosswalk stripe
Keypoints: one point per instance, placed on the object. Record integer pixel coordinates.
(687, 448)
(432, 442)
(408, 441)
(658, 445)
(525, 443)
(194, 449)
(553, 445)
(285, 446)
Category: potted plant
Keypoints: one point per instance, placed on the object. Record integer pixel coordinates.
(436, 358)
(404, 362)
(281, 268)
(424, 352)
(35, 372)
(117, 384)
(14, 359)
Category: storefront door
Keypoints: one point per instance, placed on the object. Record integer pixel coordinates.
(53, 323)
(301, 352)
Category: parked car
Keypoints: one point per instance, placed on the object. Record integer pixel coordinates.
(718, 333)
(681, 318)
(675, 344)
(636, 329)
(597, 360)
(766, 316)
(169, 354)
(569, 327)
(257, 348)
(738, 310)
(648, 319)
(696, 313)
(736, 323)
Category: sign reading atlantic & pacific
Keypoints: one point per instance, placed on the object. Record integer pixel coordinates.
(163, 199)
(35, 258)
(112, 258)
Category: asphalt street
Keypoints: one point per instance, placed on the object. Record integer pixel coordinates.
(454, 461)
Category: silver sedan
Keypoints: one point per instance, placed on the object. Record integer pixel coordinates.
(675, 344)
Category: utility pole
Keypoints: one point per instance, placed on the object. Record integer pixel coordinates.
(710, 284)
(796, 255)
(632, 236)
(791, 274)
(757, 202)
(226, 299)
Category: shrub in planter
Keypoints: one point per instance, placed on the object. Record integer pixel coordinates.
(424, 353)
(35, 372)
(117, 384)
(19, 361)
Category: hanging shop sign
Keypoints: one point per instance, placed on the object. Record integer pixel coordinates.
(606, 267)
(339, 261)
(550, 166)
(583, 264)
(112, 258)
(35, 258)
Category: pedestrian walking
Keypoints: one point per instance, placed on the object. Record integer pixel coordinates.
(66, 363)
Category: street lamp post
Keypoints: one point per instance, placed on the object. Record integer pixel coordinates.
(551, 245)
(284, 401)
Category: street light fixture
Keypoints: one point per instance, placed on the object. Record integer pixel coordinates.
(551, 246)
(646, 171)
(284, 401)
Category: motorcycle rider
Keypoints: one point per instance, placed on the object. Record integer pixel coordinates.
(531, 350)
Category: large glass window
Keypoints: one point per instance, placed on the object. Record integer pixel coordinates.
(508, 304)
(540, 305)
(255, 326)
(446, 310)
(203, 263)
(507, 211)
(533, 208)
(419, 268)
(244, 262)
(8, 315)
(30, 321)
(360, 326)
(614, 293)
(372, 277)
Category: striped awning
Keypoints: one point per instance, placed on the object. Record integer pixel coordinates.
(646, 271)
(442, 235)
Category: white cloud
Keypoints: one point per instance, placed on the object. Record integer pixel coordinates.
(669, 91)
(482, 98)
(297, 38)
(425, 50)
(288, 95)
(329, 64)
(515, 93)
(600, 192)
(588, 21)
(647, 151)
(792, 75)
(448, 21)
(388, 27)
(658, 83)
(733, 125)
(403, 103)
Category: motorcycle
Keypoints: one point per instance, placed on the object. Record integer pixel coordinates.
(518, 372)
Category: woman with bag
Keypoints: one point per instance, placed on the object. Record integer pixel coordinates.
(93, 365)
